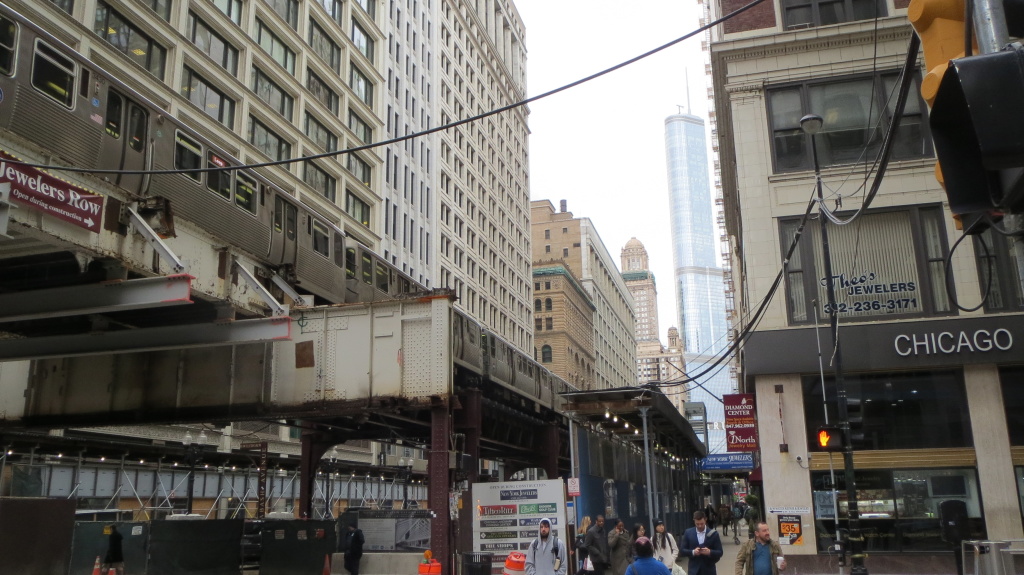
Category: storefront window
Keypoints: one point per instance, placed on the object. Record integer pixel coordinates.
(1010, 379)
(899, 509)
(904, 410)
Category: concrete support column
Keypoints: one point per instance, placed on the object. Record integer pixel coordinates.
(437, 496)
(992, 448)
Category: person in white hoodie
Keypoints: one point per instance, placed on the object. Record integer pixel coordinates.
(665, 548)
(547, 554)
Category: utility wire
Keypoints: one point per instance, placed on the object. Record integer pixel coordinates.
(414, 135)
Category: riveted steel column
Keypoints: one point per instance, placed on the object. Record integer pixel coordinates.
(437, 495)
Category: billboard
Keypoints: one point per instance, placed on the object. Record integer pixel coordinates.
(740, 422)
(506, 515)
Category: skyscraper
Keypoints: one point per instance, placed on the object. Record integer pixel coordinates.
(699, 286)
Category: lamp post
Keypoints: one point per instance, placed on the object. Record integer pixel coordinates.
(329, 466)
(193, 455)
(405, 469)
(811, 124)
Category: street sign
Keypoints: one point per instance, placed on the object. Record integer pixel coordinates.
(728, 462)
(574, 487)
(55, 197)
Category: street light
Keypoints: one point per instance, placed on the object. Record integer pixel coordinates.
(811, 124)
(193, 455)
(405, 471)
(329, 466)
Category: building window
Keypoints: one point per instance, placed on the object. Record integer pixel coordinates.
(161, 7)
(286, 9)
(545, 354)
(209, 99)
(231, 8)
(324, 46)
(65, 5)
(333, 8)
(275, 47)
(1013, 403)
(320, 135)
(124, 36)
(547, 249)
(357, 208)
(212, 44)
(362, 40)
(849, 134)
(321, 91)
(547, 234)
(890, 264)
(319, 180)
(361, 85)
(810, 13)
(536, 304)
(538, 324)
(266, 141)
(361, 129)
(565, 252)
(359, 168)
(368, 7)
(549, 323)
(547, 304)
(274, 95)
(996, 254)
(902, 410)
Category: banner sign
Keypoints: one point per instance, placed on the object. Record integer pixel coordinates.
(740, 422)
(728, 462)
(55, 197)
(506, 515)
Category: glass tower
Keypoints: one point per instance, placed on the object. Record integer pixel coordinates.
(698, 281)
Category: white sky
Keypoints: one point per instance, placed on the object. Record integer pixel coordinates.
(601, 145)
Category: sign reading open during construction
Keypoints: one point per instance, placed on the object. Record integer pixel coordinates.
(506, 516)
(740, 422)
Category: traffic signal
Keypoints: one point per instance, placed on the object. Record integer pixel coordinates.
(855, 416)
(941, 27)
(978, 127)
(829, 438)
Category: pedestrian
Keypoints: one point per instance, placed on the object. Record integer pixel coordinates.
(645, 563)
(619, 547)
(596, 543)
(709, 512)
(637, 532)
(547, 554)
(702, 545)
(353, 548)
(724, 518)
(752, 516)
(114, 559)
(581, 545)
(665, 548)
(760, 555)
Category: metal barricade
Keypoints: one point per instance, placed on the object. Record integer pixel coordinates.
(1004, 557)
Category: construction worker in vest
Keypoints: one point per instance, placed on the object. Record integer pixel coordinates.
(546, 555)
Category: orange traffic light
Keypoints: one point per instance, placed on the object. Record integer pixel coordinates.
(830, 438)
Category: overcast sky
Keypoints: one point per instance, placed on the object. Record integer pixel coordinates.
(601, 145)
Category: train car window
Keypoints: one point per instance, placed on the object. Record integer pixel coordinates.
(8, 44)
(321, 237)
(115, 112)
(350, 263)
(339, 250)
(382, 277)
(54, 75)
(245, 192)
(367, 269)
(219, 182)
(278, 214)
(188, 155)
(291, 221)
(84, 84)
(137, 125)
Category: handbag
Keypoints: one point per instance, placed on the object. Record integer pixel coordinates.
(588, 565)
(677, 570)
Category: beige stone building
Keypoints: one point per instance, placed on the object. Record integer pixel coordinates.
(577, 244)
(563, 316)
(934, 393)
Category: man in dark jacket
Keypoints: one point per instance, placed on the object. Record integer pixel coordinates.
(353, 547)
(596, 543)
(702, 545)
(114, 558)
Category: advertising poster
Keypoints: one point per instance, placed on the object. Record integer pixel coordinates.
(506, 515)
(740, 422)
(790, 530)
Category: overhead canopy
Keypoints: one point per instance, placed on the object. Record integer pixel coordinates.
(669, 430)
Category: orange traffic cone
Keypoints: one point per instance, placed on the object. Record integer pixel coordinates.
(96, 566)
(327, 564)
(112, 571)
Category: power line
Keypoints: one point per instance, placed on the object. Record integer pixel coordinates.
(414, 135)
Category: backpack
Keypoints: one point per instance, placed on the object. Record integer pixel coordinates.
(752, 515)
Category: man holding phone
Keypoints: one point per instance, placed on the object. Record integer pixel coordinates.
(702, 545)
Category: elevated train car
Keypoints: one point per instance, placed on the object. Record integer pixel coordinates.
(83, 116)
